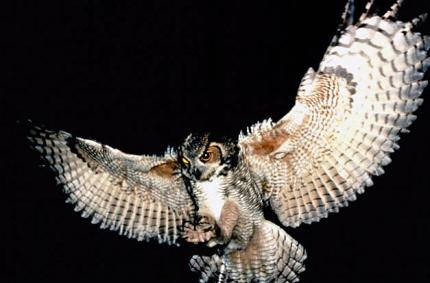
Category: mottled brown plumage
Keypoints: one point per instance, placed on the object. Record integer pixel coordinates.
(340, 133)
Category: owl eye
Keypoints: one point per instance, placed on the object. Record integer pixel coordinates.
(212, 154)
(185, 161)
(206, 156)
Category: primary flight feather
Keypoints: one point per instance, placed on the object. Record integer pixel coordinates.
(341, 131)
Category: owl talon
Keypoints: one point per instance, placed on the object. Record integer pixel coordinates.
(200, 233)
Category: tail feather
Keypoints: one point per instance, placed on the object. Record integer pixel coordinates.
(209, 267)
(271, 256)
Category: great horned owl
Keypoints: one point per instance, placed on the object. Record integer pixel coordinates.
(341, 131)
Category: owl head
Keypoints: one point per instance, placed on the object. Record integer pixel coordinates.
(202, 158)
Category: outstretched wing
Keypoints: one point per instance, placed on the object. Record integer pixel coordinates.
(142, 197)
(346, 119)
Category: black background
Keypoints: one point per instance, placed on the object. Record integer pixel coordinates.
(141, 75)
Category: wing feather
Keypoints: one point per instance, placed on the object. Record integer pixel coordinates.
(346, 121)
(141, 197)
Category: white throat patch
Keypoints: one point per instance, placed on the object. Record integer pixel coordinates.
(213, 197)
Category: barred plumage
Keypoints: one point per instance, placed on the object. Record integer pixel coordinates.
(346, 122)
(126, 193)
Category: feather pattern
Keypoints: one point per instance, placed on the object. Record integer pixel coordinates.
(340, 133)
(346, 120)
(271, 256)
(138, 196)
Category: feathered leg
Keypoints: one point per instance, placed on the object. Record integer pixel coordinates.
(271, 256)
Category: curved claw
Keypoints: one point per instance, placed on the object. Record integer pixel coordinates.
(202, 232)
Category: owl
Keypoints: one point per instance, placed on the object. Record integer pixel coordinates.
(346, 122)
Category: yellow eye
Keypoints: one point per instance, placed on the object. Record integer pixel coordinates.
(185, 161)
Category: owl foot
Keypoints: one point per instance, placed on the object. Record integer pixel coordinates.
(203, 232)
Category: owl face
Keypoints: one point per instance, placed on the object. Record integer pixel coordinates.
(202, 159)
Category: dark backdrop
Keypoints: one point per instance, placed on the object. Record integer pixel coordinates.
(141, 75)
